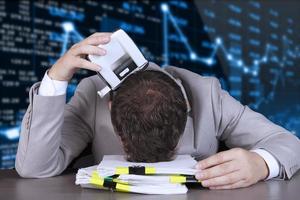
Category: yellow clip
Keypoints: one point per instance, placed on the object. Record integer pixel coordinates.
(98, 181)
(177, 179)
(122, 170)
(150, 170)
(122, 187)
(95, 179)
(120, 181)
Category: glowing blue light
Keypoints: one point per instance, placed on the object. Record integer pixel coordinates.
(256, 62)
(164, 7)
(254, 73)
(69, 29)
(11, 133)
(264, 59)
(240, 63)
(209, 61)
(218, 41)
(68, 26)
(229, 57)
(193, 56)
(246, 70)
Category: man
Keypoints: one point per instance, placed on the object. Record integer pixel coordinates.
(154, 115)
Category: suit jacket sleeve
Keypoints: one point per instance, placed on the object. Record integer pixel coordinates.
(54, 133)
(239, 126)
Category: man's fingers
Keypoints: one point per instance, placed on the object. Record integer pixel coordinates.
(96, 40)
(87, 49)
(97, 34)
(227, 179)
(218, 170)
(82, 63)
(239, 184)
(216, 159)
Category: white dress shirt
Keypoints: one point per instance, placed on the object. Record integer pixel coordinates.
(50, 87)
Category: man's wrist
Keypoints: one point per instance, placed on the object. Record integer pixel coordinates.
(52, 75)
(271, 162)
(264, 172)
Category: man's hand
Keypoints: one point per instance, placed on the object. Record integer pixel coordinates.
(74, 58)
(231, 169)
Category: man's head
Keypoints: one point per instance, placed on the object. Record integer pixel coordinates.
(149, 113)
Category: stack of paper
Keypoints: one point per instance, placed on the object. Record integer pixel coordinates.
(115, 173)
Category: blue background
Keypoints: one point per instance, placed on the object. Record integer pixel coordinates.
(251, 46)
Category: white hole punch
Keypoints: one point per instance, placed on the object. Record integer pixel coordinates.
(122, 59)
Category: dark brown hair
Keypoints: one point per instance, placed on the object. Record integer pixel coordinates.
(149, 114)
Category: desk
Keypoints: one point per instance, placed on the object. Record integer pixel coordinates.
(62, 187)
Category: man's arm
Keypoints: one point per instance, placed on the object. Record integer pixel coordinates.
(53, 133)
(239, 126)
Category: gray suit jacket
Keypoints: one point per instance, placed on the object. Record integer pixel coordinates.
(54, 133)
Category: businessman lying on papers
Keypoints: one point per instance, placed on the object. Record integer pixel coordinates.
(148, 114)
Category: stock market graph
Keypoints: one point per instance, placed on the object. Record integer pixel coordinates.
(251, 46)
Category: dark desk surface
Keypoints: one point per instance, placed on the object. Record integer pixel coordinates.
(63, 187)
